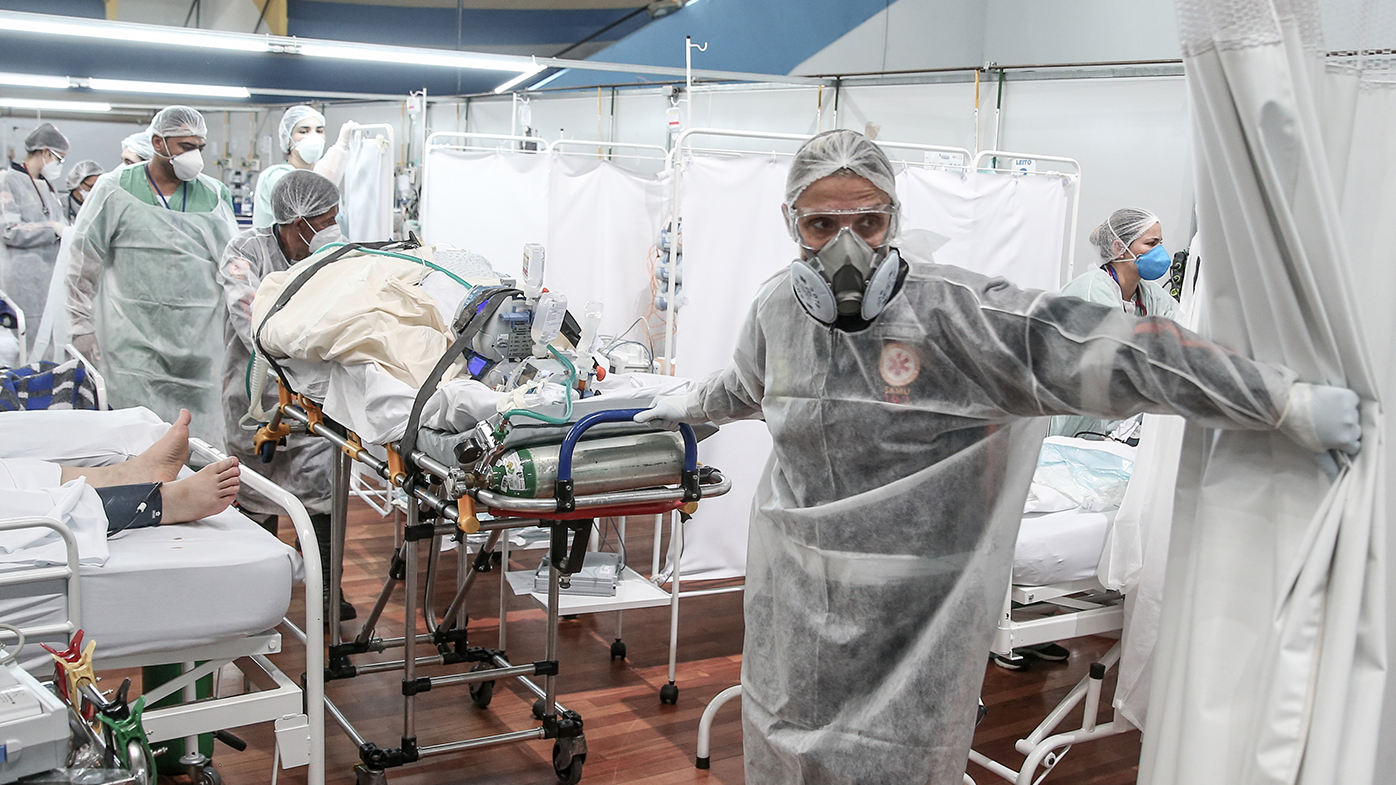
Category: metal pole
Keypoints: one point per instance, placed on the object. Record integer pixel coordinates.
(409, 670)
(339, 525)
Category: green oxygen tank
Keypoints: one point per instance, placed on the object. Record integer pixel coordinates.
(614, 463)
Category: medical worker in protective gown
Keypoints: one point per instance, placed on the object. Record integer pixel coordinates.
(32, 221)
(141, 290)
(304, 205)
(906, 404)
(302, 137)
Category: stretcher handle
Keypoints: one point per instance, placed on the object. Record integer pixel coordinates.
(563, 491)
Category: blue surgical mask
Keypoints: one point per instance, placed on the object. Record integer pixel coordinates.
(1154, 264)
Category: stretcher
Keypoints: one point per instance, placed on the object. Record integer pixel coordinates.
(524, 467)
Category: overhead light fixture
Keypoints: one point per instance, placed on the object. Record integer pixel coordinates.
(31, 80)
(54, 106)
(516, 81)
(168, 88)
(403, 55)
(546, 81)
(44, 24)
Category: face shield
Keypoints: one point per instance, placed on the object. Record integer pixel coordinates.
(850, 270)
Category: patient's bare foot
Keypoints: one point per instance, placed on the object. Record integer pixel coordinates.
(208, 492)
(161, 462)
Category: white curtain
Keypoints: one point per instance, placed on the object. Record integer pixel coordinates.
(367, 190)
(1271, 665)
(489, 203)
(735, 238)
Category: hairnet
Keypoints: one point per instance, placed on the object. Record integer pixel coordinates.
(294, 117)
(840, 151)
(178, 121)
(302, 194)
(1125, 225)
(81, 171)
(139, 143)
(46, 136)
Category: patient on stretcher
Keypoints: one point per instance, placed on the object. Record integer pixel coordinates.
(143, 491)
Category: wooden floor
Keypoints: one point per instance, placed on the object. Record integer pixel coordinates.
(631, 737)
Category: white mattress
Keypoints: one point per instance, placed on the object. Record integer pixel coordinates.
(170, 587)
(1057, 547)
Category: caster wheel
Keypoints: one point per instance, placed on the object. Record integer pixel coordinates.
(570, 774)
(669, 694)
(618, 650)
(481, 692)
(363, 775)
(538, 709)
(570, 617)
(209, 776)
(140, 763)
(267, 452)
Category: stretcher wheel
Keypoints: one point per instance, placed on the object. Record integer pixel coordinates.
(570, 774)
(669, 694)
(209, 776)
(267, 451)
(139, 762)
(618, 650)
(481, 692)
(538, 709)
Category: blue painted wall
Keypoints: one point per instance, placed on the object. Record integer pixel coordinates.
(757, 36)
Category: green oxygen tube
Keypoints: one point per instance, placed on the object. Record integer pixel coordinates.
(571, 382)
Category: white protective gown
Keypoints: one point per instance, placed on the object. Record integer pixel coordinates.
(142, 279)
(303, 465)
(29, 209)
(883, 528)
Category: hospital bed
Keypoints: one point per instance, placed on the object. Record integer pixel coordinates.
(202, 596)
(1055, 564)
(558, 464)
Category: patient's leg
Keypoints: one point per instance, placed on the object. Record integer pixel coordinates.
(159, 463)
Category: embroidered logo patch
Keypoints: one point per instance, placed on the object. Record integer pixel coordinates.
(899, 365)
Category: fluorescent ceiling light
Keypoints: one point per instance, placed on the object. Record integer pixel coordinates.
(20, 22)
(30, 80)
(549, 79)
(512, 83)
(167, 88)
(401, 55)
(55, 106)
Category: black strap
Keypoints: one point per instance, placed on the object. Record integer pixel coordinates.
(299, 281)
(481, 313)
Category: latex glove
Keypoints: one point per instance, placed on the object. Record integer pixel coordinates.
(345, 131)
(668, 411)
(1322, 418)
(87, 344)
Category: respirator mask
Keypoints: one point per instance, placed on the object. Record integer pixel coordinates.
(852, 272)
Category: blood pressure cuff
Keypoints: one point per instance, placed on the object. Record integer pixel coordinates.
(131, 506)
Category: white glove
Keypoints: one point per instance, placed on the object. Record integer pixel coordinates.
(668, 411)
(87, 344)
(1322, 418)
(345, 131)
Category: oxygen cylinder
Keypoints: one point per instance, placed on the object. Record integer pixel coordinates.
(615, 463)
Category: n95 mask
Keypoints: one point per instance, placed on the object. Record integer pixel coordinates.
(847, 277)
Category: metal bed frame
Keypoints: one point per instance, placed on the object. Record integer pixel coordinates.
(570, 518)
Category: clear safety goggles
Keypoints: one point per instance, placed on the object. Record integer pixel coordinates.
(813, 229)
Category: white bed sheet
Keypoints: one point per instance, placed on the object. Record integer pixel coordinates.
(166, 588)
(1058, 547)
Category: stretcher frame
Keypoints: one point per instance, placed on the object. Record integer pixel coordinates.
(570, 518)
(296, 711)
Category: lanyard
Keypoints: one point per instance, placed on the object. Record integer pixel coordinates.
(183, 191)
(1137, 299)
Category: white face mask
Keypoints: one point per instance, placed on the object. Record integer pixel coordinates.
(52, 171)
(322, 238)
(311, 147)
(186, 165)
